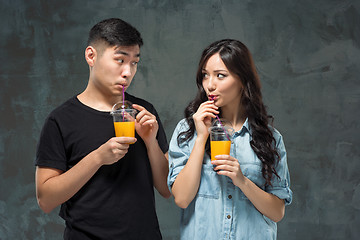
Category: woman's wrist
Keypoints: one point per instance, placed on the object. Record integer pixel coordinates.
(201, 139)
(243, 182)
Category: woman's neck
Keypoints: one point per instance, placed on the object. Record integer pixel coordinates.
(236, 116)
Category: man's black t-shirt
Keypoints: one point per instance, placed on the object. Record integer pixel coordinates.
(118, 201)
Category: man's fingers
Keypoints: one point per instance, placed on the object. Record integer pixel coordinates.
(145, 116)
(141, 115)
(138, 107)
(146, 120)
(126, 140)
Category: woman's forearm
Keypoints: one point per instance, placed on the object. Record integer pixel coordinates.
(266, 203)
(187, 182)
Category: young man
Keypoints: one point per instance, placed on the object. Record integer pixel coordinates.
(103, 184)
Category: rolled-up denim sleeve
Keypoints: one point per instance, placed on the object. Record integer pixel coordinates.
(281, 186)
(178, 154)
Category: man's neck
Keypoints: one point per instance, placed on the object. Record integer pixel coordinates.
(98, 100)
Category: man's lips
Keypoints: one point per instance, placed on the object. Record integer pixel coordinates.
(121, 85)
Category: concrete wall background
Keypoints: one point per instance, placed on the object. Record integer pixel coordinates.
(308, 57)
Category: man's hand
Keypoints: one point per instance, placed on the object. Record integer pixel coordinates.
(146, 124)
(114, 149)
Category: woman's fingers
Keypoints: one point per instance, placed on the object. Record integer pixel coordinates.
(209, 106)
(206, 110)
(225, 162)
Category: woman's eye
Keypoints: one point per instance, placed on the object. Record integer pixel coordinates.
(205, 75)
(134, 63)
(120, 60)
(221, 75)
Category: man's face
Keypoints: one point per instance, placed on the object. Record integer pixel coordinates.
(114, 68)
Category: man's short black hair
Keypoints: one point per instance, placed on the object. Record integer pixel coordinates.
(114, 32)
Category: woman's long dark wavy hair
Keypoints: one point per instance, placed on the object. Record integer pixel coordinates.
(238, 60)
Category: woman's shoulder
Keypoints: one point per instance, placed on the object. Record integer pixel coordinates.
(276, 134)
(179, 135)
(182, 125)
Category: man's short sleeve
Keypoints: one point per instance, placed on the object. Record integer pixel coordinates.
(50, 149)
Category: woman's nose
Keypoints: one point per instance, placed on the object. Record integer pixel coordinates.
(211, 85)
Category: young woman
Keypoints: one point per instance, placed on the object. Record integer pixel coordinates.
(236, 196)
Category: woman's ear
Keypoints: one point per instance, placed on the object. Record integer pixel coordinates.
(90, 55)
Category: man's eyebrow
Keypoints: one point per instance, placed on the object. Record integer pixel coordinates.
(125, 53)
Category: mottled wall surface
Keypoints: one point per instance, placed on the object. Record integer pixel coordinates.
(308, 57)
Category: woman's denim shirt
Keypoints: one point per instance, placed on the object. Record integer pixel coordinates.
(220, 210)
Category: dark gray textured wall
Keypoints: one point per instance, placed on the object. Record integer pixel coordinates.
(308, 57)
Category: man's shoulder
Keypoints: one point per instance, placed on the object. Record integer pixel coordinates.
(63, 107)
(139, 101)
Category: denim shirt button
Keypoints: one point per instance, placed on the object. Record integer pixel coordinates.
(228, 216)
(229, 197)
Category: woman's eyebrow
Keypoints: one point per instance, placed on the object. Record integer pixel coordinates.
(216, 71)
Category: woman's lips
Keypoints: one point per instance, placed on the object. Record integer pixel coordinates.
(212, 97)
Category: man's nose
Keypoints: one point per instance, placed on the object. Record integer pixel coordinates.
(126, 71)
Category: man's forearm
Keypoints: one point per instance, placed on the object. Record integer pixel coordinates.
(159, 168)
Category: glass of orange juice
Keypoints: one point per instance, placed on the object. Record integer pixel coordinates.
(124, 119)
(220, 137)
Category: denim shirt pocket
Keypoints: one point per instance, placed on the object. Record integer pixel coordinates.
(253, 173)
(209, 182)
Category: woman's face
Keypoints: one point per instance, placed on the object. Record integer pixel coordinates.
(221, 85)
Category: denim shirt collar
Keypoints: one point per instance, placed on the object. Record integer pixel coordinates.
(245, 128)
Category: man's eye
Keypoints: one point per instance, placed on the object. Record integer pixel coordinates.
(134, 63)
(120, 60)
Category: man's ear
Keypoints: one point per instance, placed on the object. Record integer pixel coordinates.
(90, 55)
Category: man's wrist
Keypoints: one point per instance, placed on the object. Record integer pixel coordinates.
(151, 142)
(95, 158)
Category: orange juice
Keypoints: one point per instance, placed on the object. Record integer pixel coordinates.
(219, 148)
(124, 129)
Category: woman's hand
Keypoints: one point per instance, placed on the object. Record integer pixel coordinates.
(229, 166)
(202, 118)
(266, 203)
